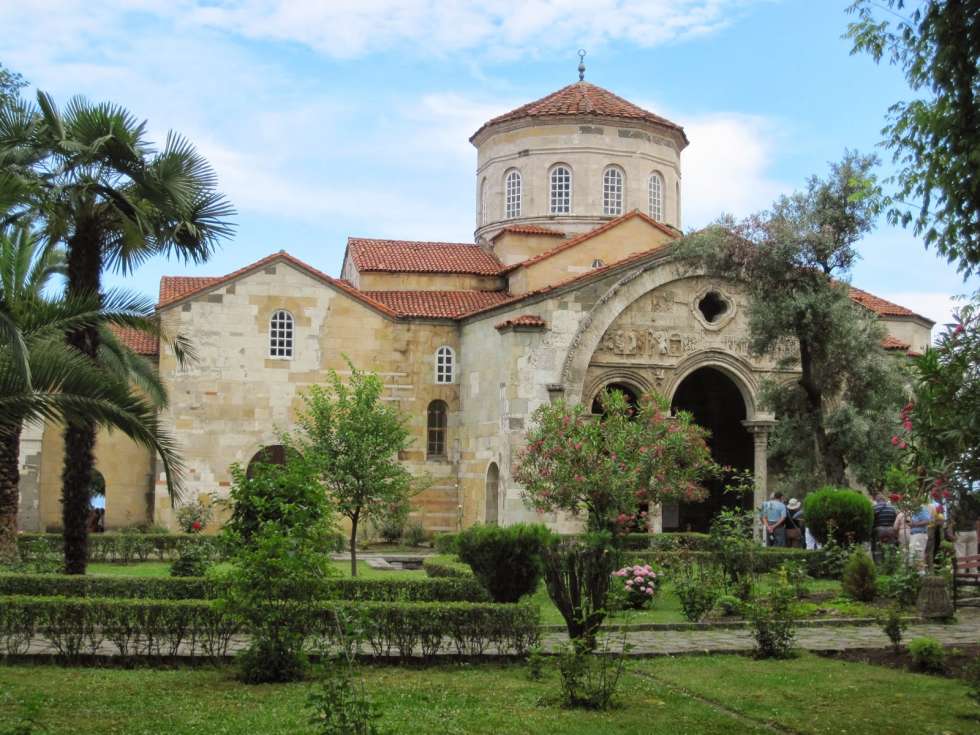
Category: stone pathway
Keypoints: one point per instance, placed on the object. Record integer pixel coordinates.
(965, 631)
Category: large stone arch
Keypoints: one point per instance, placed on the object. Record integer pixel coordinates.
(739, 370)
(610, 305)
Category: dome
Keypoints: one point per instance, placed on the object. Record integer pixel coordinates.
(573, 160)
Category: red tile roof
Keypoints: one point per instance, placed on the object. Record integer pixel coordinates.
(880, 306)
(437, 304)
(582, 98)
(206, 283)
(561, 247)
(137, 340)
(524, 320)
(407, 256)
(173, 287)
(893, 343)
(528, 230)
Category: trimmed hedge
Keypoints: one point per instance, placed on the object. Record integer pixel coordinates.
(192, 588)
(766, 559)
(446, 565)
(848, 512)
(127, 547)
(80, 626)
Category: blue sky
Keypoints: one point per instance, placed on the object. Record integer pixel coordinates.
(351, 117)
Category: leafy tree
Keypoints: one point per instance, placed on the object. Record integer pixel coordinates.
(352, 437)
(935, 138)
(10, 85)
(794, 260)
(940, 434)
(41, 378)
(114, 201)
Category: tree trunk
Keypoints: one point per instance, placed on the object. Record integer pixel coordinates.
(84, 278)
(831, 459)
(353, 543)
(9, 497)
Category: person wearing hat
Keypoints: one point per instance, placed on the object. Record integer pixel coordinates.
(794, 522)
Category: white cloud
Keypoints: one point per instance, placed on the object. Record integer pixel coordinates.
(935, 305)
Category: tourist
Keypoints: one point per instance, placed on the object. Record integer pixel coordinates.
(774, 520)
(884, 526)
(919, 524)
(903, 533)
(794, 523)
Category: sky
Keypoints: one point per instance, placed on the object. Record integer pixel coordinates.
(326, 119)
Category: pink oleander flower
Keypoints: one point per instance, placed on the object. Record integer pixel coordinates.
(895, 441)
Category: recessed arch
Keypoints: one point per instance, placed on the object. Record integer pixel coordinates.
(734, 368)
(272, 454)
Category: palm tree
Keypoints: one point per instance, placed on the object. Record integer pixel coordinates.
(114, 201)
(60, 384)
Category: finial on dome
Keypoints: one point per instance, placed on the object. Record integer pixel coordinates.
(581, 64)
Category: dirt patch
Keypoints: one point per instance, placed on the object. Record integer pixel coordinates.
(957, 659)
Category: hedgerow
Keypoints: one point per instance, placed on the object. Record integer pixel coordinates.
(446, 565)
(461, 589)
(78, 627)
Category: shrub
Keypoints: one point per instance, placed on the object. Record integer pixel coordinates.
(773, 622)
(927, 654)
(85, 626)
(123, 547)
(446, 566)
(698, 587)
(638, 585)
(341, 706)
(893, 625)
(972, 678)
(860, 578)
(535, 663)
(846, 515)
(666, 541)
(734, 550)
(391, 521)
(506, 560)
(193, 517)
(415, 534)
(902, 586)
(795, 573)
(729, 606)
(190, 563)
(589, 680)
(445, 543)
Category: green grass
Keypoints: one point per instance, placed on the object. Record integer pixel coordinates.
(817, 695)
(703, 695)
(162, 569)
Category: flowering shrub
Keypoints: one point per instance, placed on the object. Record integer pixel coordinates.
(193, 517)
(640, 584)
(609, 466)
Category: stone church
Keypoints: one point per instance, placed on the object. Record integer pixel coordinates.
(569, 287)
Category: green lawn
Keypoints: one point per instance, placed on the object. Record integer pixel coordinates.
(694, 695)
(162, 569)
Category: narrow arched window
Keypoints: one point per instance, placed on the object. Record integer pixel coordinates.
(445, 364)
(281, 334)
(483, 202)
(561, 190)
(612, 191)
(512, 194)
(436, 429)
(657, 196)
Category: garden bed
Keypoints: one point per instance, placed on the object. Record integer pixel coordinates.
(957, 659)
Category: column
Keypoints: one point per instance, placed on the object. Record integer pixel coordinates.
(759, 428)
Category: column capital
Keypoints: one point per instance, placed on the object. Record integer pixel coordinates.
(759, 426)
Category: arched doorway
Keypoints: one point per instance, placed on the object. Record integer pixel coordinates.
(273, 454)
(492, 494)
(717, 404)
(628, 391)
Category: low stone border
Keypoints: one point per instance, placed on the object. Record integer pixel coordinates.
(734, 625)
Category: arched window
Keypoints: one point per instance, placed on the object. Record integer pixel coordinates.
(274, 454)
(512, 194)
(436, 430)
(492, 493)
(657, 196)
(561, 190)
(612, 191)
(445, 364)
(281, 335)
(483, 202)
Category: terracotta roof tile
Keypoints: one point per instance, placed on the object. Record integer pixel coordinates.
(408, 256)
(173, 287)
(524, 320)
(528, 230)
(206, 283)
(437, 304)
(893, 343)
(561, 247)
(137, 340)
(880, 306)
(581, 98)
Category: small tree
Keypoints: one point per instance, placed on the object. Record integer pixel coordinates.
(610, 465)
(352, 438)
